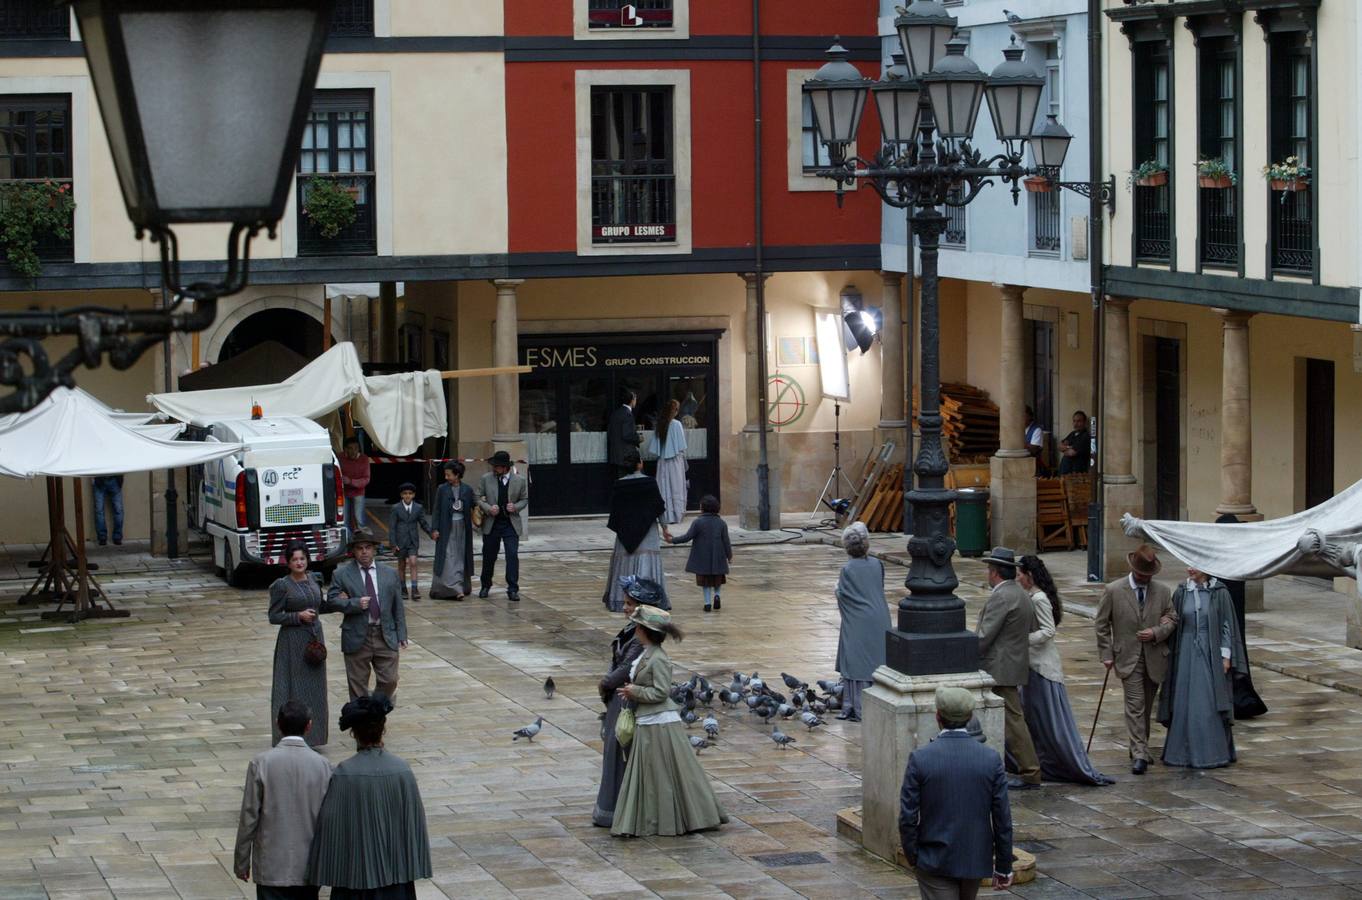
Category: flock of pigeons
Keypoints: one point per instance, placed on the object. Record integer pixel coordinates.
(698, 695)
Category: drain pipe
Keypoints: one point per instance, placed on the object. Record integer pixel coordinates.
(758, 241)
(1095, 279)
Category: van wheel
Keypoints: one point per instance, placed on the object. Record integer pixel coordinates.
(232, 575)
(218, 570)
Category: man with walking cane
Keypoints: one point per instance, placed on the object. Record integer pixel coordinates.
(1134, 621)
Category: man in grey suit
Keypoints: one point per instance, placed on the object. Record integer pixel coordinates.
(955, 822)
(284, 791)
(1134, 621)
(375, 625)
(1005, 626)
(504, 498)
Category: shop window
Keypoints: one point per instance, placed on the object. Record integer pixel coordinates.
(539, 419)
(35, 146)
(1153, 141)
(338, 146)
(1290, 117)
(353, 18)
(34, 20)
(633, 178)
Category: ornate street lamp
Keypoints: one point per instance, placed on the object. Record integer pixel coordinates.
(204, 105)
(898, 101)
(838, 101)
(1049, 146)
(921, 175)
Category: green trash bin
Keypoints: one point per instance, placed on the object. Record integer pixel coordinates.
(971, 521)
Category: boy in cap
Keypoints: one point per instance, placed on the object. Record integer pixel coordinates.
(403, 537)
(955, 821)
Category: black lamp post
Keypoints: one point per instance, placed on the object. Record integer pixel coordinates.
(921, 173)
(204, 105)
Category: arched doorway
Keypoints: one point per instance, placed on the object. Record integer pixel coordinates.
(295, 330)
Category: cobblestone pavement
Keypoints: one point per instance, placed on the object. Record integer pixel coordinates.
(125, 743)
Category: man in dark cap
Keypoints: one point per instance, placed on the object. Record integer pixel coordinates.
(504, 498)
(1005, 626)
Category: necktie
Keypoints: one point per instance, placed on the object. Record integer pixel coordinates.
(373, 596)
(1139, 594)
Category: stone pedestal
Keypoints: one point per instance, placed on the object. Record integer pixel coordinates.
(1012, 502)
(748, 496)
(899, 714)
(1119, 499)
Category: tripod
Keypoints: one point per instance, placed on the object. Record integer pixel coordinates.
(837, 479)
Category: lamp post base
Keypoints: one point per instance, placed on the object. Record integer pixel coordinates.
(919, 653)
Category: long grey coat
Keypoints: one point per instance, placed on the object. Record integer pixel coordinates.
(284, 791)
(355, 626)
(1005, 626)
(712, 550)
(865, 618)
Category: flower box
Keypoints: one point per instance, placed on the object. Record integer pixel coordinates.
(1218, 182)
(1037, 184)
(1290, 184)
(1158, 179)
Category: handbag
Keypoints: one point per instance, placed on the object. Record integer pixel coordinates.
(477, 516)
(625, 725)
(314, 654)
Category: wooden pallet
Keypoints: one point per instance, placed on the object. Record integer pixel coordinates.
(879, 464)
(1078, 494)
(884, 511)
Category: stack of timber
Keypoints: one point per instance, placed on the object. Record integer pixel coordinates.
(879, 495)
(969, 422)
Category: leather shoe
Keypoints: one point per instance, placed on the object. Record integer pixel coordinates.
(513, 596)
(1139, 767)
(1016, 784)
(482, 594)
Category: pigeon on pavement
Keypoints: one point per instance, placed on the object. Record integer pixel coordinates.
(791, 682)
(549, 687)
(700, 743)
(780, 737)
(711, 725)
(810, 720)
(689, 718)
(529, 731)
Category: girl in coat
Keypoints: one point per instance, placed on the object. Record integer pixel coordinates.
(711, 553)
(452, 578)
(664, 790)
(405, 524)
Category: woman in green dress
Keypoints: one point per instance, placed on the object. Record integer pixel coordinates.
(664, 790)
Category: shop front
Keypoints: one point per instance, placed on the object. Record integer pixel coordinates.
(578, 380)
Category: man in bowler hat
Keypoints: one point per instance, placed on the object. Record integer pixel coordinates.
(1134, 621)
(1005, 626)
(955, 821)
(375, 625)
(504, 498)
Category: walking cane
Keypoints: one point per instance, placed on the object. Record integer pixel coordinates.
(1099, 710)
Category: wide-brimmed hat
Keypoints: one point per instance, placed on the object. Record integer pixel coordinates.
(369, 708)
(1002, 556)
(406, 486)
(651, 618)
(644, 590)
(1144, 560)
(500, 458)
(360, 536)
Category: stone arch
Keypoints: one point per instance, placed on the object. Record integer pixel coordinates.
(228, 322)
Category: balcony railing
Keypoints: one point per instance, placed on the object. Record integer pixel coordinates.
(647, 13)
(1153, 224)
(34, 20)
(49, 248)
(1219, 233)
(1293, 233)
(357, 239)
(353, 18)
(1046, 238)
(628, 209)
(955, 234)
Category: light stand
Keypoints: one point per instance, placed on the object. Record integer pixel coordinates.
(837, 478)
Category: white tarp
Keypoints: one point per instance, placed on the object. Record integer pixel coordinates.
(71, 434)
(1252, 550)
(397, 411)
(359, 289)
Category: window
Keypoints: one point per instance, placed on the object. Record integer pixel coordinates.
(638, 14)
(633, 179)
(1290, 115)
(353, 18)
(1218, 236)
(34, 20)
(954, 236)
(1153, 119)
(813, 153)
(1053, 102)
(337, 144)
(1045, 236)
(35, 145)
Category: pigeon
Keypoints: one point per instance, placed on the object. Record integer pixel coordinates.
(689, 718)
(739, 680)
(731, 699)
(785, 710)
(765, 711)
(834, 703)
(755, 700)
(699, 743)
(549, 687)
(1012, 18)
(755, 682)
(799, 698)
(780, 737)
(811, 720)
(529, 731)
(818, 706)
(830, 688)
(711, 726)
(777, 696)
(689, 699)
(791, 682)
(706, 696)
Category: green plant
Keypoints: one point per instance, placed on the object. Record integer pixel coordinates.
(1215, 167)
(1289, 169)
(1147, 169)
(30, 210)
(330, 206)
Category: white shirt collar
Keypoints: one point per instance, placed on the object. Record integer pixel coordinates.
(1135, 585)
(954, 730)
(293, 740)
(407, 506)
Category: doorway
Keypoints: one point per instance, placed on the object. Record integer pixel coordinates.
(1319, 431)
(295, 330)
(1040, 375)
(1163, 426)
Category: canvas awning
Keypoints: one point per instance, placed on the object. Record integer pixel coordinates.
(398, 412)
(1252, 550)
(71, 434)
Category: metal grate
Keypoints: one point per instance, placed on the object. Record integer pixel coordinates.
(1219, 228)
(291, 515)
(1153, 224)
(1293, 234)
(647, 14)
(34, 20)
(1045, 215)
(353, 18)
(956, 219)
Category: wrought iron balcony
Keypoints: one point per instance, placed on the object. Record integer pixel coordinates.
(1153, 223)
(357, 239)
(1293, 233)
(1219, 232)
(628, 209)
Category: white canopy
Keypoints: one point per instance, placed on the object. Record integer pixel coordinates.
(1251, 550)
(71, 434)
(397, 411)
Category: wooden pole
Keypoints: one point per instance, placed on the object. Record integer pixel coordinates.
(482, 373)
(82, 571)
(326, 324)
(193, 353)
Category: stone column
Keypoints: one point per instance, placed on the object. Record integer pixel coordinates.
(1012, 475)
(505, 352)
(1121, 492)
(893, 402)
(750, 449)
(1236, 434)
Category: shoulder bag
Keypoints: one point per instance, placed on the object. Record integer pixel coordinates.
(314, 654)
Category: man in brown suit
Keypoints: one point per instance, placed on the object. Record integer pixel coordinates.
(1005, 625)
(1134, 621)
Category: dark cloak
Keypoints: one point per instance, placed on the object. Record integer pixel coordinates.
(444, 517)
(1247, 703)
(1222, 610)
(371, 831)
(635, 506)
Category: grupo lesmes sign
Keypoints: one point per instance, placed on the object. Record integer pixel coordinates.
(616, 356)
(608, 234)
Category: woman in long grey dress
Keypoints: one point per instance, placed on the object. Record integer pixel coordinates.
(452, 578)
(668, 444)
(636, 517)
(1196, 703)
(1045, 700)
(865, 619)
(296, 602)
(624, 649)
